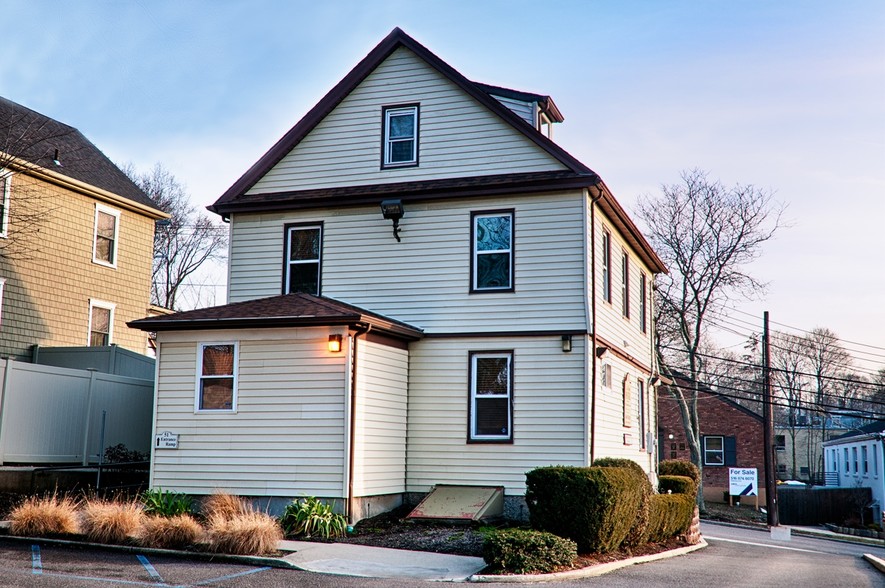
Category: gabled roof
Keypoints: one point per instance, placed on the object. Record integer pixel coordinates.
(873, 429)
(286, 310)
(39, 140)
(682, 381)
(396, 39)
(545, 103)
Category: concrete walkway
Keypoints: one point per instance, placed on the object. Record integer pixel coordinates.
(378, 562)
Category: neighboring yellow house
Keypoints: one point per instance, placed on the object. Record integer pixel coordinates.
(76, 240)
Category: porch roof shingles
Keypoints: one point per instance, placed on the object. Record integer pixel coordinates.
(286, 310)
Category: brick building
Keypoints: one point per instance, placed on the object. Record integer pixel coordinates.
(731, 436)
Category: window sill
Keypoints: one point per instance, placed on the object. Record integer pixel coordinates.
(104, 263)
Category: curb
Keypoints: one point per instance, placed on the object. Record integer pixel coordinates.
(588, 572)
(877, 563)
(804, 533)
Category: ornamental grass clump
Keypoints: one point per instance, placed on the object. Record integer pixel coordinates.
(105, 521)
(166, 503)
(176, 532)
(310, 516)
(39, 517)
(225, 506)
(253, 533)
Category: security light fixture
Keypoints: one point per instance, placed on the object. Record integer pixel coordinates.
(334, 343)
(393, 210)
(600, 351)
(566, 343)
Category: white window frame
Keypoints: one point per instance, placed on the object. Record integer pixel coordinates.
(625, 284)
(199, 378)
(6, 176)
(318, 261)
(720, 451)
(641, 416)
(476, 216)
(473, 436)
(606, 246)
(100, 208)
(94, 303)
(643, 302)
(2, 288)
(390, 112)
(605, 375)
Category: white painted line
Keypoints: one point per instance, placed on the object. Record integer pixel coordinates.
(229, 576)
(769, 545)
(36, 560)
(152, 572)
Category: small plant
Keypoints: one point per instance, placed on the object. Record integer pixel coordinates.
(166, 503)
(174, 532)
(310, 516)
(119, 453)
(254, 533)
(225, 506)
(111, 522)
(521, 551)
(38, 517)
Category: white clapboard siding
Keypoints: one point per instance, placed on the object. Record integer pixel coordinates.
(425, 279)
(548, 413)
(621, 332)
(287, 436)
(525, 110)
(458, 137)
(381, 405)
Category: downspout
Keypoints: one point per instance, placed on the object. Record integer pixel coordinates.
(350, 458)
(593, 202)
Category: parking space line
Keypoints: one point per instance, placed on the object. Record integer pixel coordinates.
(151, 570)
(230, 576)
(36, 561)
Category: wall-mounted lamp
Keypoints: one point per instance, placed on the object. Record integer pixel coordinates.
(600, 351)
(654, 381)
(566, 343)
(393, 210)
(334, 343)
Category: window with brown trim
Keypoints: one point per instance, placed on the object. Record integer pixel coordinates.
(643, 302)
(492, 251)
(606, 246)
(491, 396)
(303, 259)
(400, 146)
(625, 284)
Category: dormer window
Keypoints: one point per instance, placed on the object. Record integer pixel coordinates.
(400, 136)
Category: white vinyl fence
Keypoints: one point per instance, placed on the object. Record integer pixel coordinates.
(55, 415)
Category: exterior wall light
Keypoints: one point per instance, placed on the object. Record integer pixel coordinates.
(334, 343)
(600, 351)
(393, 210)
(566, 343)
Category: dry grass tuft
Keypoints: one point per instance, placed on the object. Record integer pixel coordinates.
(222, 505)
(38, 517)
(170, 532)
(253, 533)
(107, 521)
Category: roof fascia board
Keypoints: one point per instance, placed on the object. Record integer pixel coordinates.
(394, 40)
(619, 216)
(70, 183)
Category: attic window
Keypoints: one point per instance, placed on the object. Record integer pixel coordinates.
(400, 136)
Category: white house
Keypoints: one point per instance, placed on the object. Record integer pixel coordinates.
(857, 459)
(423, 289)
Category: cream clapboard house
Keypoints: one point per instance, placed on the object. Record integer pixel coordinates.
(76, 240)
(494, 318)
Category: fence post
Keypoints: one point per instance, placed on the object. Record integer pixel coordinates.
(7, 367)
(86, 421)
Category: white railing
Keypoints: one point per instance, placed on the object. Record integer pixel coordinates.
(59, 415)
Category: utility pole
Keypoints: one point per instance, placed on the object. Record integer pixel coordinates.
(767, 432)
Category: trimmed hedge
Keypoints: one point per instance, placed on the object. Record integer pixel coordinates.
(670, 515)
(521, 551)
(679, 467)
(639, 528)
(595, 507)
(677, 485)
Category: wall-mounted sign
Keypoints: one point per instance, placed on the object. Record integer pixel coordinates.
(742, 482)
(166, 440)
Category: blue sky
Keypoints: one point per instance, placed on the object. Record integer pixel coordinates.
(788, 96)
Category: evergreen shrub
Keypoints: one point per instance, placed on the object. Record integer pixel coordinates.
(522, 551)
(670, 515)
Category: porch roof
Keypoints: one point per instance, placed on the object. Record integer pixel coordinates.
(287, 310)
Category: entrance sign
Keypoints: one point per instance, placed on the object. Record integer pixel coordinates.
(166, 440)
(742, 482)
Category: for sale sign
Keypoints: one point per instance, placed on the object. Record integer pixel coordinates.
(742, 482)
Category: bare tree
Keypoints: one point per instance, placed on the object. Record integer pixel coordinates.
(183, 245)
(706, 234)
(788, 363)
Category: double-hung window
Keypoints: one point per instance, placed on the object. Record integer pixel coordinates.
(5, 181)
(101, 323)
(107, 226)
(606, 266)
(640, 393)
(400, 136)
(714, 451)
(643, 302)
(217, 381)
(491, 396)
(303, 259)
(625, 285)
(492, 259)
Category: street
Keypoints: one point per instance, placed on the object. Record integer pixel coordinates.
(735, 558)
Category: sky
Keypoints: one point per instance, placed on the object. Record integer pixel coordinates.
(788, 96)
